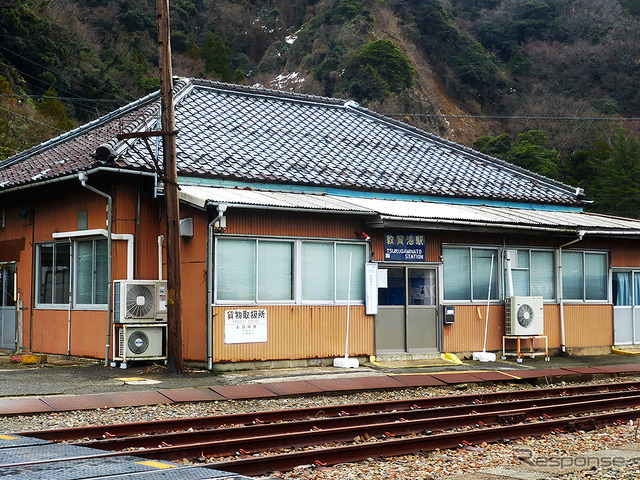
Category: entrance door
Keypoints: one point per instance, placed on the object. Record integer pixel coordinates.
(407, 320)
(7, 306)
(626, 307)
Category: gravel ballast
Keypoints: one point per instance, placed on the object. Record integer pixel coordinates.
(572, 451)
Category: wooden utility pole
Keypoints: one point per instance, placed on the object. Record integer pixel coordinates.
(174, 276)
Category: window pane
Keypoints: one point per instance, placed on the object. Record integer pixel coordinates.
(394, 293)
(595, 279)
(357, 271)
(522, 259)
(84, 273)
(317, 271)
(520, 282)
(275, 267)
(572, 276)
(101, 277)
(542, 275)
(62, 263)
(236, 269)
(45, 292)
(621, 285)
(481, 262)
(456, 273)
(636, 288)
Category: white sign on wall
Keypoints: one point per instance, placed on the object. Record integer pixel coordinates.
(371, 288)
(245, 326)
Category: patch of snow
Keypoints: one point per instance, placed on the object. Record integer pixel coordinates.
(284, 81)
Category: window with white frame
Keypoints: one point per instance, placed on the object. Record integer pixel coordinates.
(55, 272)
(584, 275)
(468, 273)
(92, 283)
(533, 273)
(266, 270)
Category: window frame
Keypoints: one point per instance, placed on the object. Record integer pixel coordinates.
(296, 271)
(94, 279)
(38, 269)
(499, 278)
(72, 302)
(607, 278)
(554, 270)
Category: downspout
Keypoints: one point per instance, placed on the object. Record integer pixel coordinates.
(69, 306)
(563, 344)
(83, 177)
(160, 242)
(209, 327)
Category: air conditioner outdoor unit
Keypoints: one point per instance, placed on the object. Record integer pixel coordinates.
(524, 316)
(139, 301)
(140, 342)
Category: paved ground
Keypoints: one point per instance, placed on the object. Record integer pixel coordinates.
(60, 377)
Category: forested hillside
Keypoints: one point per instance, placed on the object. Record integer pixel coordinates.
(551, 85)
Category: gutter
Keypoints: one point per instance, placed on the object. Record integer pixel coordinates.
(222, 207)
(74, 176)
(563, 343)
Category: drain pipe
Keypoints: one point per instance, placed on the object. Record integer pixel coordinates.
(83, 177)
(563, 344)
(209, 327)
(160, 242)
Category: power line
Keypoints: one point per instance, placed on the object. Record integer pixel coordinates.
(32, 120)
(514, 117)
(61, 74)
(96, 100)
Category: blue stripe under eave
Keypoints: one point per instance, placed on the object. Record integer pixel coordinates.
(339, 192)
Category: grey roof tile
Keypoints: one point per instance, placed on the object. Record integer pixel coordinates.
(259, 135)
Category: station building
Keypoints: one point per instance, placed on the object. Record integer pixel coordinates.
(298, 213)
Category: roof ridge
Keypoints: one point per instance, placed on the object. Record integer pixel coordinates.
(253, 89)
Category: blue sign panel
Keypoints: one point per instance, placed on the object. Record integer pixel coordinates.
(404, 247)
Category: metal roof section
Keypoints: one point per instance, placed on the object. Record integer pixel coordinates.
(389, 212)
(201, 197)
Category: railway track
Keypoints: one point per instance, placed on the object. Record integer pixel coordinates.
(254, 443)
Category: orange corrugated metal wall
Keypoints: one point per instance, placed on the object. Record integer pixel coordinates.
(297, 332)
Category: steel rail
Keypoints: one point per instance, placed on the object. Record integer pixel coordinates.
(431, 419)
(251, 444)
(159, 426)
(404, 446)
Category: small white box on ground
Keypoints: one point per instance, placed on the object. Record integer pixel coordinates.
(484, 356)
(346, 362)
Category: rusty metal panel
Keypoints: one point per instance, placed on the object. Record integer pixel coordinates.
(294, 387)
(201, 394)
(293, 224)
(10, 406)
(418, 380)
(233, 392)
(588, 325)
(77, 402)
(625, 254)
(296, 332)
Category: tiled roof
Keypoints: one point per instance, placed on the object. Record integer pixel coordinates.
(264, 136)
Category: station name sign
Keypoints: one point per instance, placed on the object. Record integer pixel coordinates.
(404, 247)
